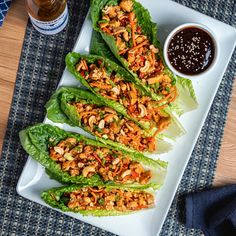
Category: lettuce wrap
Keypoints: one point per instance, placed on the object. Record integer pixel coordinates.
(81, 108)
(99, 200)
(73, 158)
(112, 19)
(112, 84)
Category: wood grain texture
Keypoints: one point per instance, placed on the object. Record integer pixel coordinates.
(226, 165)
(11, 38)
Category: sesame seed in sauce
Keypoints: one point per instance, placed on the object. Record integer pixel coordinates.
(191, 51)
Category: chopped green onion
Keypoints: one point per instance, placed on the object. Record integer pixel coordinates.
(98, 129)
(130, 44)
(112, 83)
(100, 154)
(101, 114)
(103, 161)
(173, 81)
(101, 201)
(103, 21)
(157, 85)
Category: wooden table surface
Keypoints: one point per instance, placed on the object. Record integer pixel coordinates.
(11, 38)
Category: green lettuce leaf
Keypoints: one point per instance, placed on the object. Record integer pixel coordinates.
(186, 101)
(100, 48)
(54, 111)
(54, 198)
(175, 129)
(37, 139)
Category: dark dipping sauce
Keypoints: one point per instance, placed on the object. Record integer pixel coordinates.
(191, 51)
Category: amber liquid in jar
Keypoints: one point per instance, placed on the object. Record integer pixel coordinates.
(48, 16)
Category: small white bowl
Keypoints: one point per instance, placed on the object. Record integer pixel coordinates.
(175, 31)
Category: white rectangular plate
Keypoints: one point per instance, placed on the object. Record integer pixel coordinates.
(167, 15)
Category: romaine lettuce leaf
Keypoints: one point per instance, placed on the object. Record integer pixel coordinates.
(100, 48)
(186, 100)
(68, 94)
(36, 140)
(175, 129)
(54, 198)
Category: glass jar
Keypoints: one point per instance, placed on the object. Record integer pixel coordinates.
(48, 16)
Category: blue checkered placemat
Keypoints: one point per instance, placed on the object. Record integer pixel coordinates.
(4, 7)
(40, 69)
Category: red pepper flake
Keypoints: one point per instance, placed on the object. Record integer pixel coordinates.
(82, 73)
(148, 116)
(134, 175)
(99, 62)
(139, 31)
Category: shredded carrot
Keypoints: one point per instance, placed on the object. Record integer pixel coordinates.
(156, 118)
(98, 159)
(109, 97)
(95, 190)
(166, 98)
(173, 93)
(109, 117)
(174, 97)
(100, 85)
(118, 191)
(133, 48)
(164, 124)
(85, 64)
(98, 134)
(123, 51)
(95, 197)
(163, 106)
(157, 132)
(125, 179)
(131, 19)
(116, 172)
(139, 45)
(106, 30)
(141, 207)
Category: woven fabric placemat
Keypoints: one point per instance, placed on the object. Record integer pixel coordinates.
(40, 69)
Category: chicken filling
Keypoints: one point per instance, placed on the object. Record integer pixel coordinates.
(95, 198)
(110, 85)
(106, 123)
(76, 158)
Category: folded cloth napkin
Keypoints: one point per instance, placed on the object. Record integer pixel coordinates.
(4, 7)
(213, 211)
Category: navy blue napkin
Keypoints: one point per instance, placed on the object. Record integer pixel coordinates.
(213, 211)
(4, 7)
